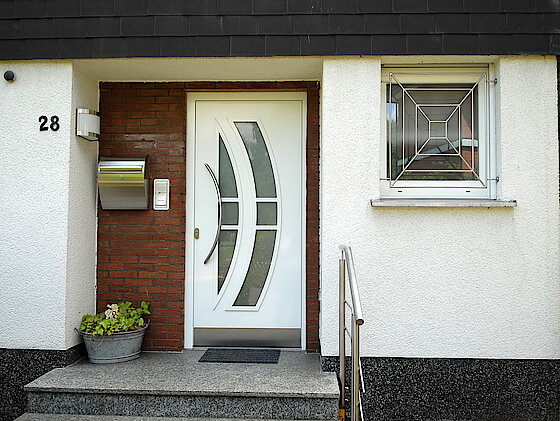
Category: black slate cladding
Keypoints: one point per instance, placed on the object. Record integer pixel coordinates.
(62, 29)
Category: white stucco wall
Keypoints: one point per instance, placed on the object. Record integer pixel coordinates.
(445, 282)
(38, 206)
(82, 211)
(457, 282)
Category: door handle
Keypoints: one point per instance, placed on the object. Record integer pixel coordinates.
(219, 227)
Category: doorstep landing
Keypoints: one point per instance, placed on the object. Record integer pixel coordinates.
(297, 374)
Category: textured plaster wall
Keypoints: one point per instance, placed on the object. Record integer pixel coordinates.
(47, 204)
(33, 204)
(82, 211)
(445, 282)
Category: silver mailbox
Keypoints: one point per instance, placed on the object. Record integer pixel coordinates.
(123, 182)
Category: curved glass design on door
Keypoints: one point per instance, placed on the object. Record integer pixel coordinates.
(259, 157)
(266, 207)
(258, 269)
(228, 186)
(266, 213)
(226, 247)
(230, 214)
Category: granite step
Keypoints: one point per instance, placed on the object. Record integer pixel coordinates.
(177, 385)
(28, 416)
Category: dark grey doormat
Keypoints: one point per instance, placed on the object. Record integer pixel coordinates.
(227, 355)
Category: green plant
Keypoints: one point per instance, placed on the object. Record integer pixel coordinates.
(120, 317)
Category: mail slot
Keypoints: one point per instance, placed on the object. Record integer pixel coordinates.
(123, 183)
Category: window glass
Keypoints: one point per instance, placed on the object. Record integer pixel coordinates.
(432, 132)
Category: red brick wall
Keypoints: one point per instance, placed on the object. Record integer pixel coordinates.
(141, 254)
(312, 217)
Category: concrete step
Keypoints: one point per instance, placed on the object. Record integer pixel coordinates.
(177, 385)
(68, 417)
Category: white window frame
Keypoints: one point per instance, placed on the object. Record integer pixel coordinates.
(409, 189)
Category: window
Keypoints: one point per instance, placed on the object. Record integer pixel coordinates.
(437, 138)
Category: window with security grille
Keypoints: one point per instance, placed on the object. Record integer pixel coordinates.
(437, 133)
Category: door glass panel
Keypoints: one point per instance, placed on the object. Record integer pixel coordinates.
(226, 247)
(258, 155)
(228, 186)
(258, 269)
(266, 213)
(230, 213)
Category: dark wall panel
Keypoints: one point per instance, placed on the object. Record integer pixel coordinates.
(58, 29)
(457, 389)
(21, 366)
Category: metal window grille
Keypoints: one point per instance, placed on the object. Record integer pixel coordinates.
(435, 133)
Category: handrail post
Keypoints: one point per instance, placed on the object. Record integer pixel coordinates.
(341, 327)
(355, 370)
(346, 268)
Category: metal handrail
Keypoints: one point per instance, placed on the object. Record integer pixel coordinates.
(346, 266)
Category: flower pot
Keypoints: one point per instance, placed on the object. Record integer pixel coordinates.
(115, 348)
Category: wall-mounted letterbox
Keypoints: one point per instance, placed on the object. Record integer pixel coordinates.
(123, 183)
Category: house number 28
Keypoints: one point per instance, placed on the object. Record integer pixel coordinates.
(44, 120)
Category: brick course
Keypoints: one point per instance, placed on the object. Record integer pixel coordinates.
(141, 254)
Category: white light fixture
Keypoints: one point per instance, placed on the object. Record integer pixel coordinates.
(87, 124)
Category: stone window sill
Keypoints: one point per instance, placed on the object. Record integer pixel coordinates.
(443, 203)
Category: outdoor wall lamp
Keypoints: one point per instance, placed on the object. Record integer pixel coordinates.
(87, 124)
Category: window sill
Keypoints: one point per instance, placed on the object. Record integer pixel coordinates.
(443, 203)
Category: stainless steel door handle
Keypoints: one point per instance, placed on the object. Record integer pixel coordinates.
(218, 229)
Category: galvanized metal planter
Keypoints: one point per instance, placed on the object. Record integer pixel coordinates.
(115, 348)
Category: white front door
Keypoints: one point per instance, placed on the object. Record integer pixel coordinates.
(247, 255)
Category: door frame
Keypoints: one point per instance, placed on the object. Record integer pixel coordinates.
(191, 98)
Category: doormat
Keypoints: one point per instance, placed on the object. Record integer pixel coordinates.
(226, 355)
